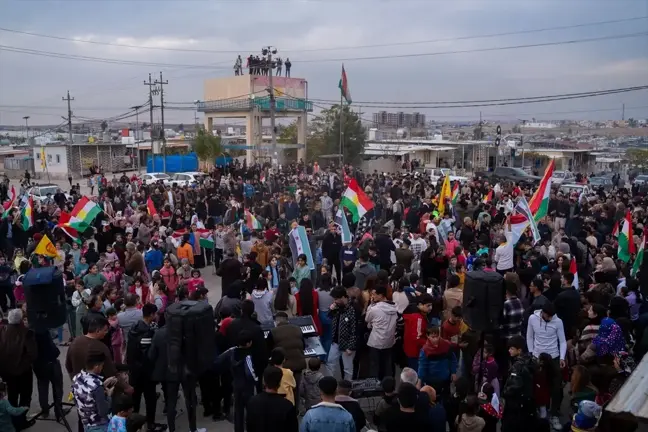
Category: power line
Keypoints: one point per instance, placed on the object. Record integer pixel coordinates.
(340, 48)
(325, 60)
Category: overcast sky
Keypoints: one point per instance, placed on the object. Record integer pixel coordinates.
(311, 31)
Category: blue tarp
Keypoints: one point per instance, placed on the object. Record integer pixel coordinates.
(223, 160)
(174, 163)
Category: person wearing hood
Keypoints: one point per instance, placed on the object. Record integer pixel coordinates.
(519, 388)
(231, 301)
(262, 299)
(140, 337)
(437, 363)
(469, 420)
(239, 360)
(259, 348)
(363, 270)
(381, 318)
(230, 271)
(546, 334)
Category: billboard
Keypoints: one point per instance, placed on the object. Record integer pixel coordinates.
(284, 87)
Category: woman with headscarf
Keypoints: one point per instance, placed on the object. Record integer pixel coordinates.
(199, 258)
(609, 342)
(135, 265)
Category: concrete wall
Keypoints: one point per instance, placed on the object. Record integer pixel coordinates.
(228, 87)
(56, 161)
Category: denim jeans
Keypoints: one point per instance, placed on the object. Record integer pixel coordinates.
(326, 337)
(333, 361)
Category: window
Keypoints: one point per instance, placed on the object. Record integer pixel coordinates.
(49, 158)
(58, 158)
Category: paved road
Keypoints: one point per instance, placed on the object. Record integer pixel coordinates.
(213, 283)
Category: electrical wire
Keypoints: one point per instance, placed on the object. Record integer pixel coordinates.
(325, 60)
(340, 48)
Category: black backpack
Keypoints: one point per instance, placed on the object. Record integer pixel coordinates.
(191, 342)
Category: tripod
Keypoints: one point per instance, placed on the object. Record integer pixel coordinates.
(59, 414)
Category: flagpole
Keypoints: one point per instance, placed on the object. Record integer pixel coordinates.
(341, 130)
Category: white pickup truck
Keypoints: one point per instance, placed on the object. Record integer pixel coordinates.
(436, 173)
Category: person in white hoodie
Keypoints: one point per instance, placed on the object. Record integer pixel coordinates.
(381, 317)
(262, 297)
(546, 334)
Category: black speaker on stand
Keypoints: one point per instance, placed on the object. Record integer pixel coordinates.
(483, 301)
(45, 298)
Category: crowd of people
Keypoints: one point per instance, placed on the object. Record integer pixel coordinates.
(261, 65)
(387, 305)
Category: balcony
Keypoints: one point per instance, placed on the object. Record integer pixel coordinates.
(262, 103)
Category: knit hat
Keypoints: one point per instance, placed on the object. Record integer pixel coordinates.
(587, 416)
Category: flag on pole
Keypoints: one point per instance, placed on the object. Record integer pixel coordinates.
(344, 87)
(341, 221)
(455, 194)
(615, 230)
(488, 197)
(46, 248)
(64, 218)
(252, 222)
(639, 257)
(356, 200)
(85, 211)
(573, 269)
(8, 205)
(523, 208)
(539, 202)
(626, 242)
(28, 215)
(298, 240)
(444, 195)
(42, 158)
(150, 207)
(206, 240)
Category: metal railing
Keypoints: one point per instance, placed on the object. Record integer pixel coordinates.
(262, 103)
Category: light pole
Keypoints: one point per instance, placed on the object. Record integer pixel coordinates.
(26, 118)
(196, 103)
(137, 108)
(269, 51)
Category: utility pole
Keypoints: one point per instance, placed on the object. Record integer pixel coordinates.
(623, 112)
(152, 90)
(26, 118)
(69, 117)
(269, 50)
(137, 108)
(161, 82)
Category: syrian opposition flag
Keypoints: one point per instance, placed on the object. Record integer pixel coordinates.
(539, 202)
(344, 87)
(298, 240)
(615, 230)
(150, 207)
(341, 221)
(28, 215)
(356, 200)
(626, 242)
(488, 197)
(573, 269)
(455, 194)
(252, 222)
(639, 257)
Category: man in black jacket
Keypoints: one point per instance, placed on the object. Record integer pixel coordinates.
(230, 271)
(140, 338)
(518, 391)
(270, 411)
(259, 350)
(331, 246)
(47, 369)
(568, 305)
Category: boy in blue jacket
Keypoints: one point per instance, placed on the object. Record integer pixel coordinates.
(437, 366)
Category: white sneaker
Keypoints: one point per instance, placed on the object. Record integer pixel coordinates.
(555, 423)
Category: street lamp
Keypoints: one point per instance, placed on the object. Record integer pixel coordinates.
(196, 103)
(269, 51)
(26, 118)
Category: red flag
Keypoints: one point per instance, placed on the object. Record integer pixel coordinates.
(150, 207)
(71, 232)
(8, 204)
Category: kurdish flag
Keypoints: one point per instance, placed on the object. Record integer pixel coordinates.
(344, 87)
(28, 215)
(638, 258)
(7, 205)
(356, 200)
(64, 218)
(539, 202)
(455, 194)
(573, 269)
(83, 213)
(615, 230)
(150, 207)
(252, 222)
(488, 197)
(626, 242)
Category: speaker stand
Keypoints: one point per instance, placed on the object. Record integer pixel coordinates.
(63, 413)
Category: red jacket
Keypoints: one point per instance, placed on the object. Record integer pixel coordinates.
(315, 316)
(414, 333)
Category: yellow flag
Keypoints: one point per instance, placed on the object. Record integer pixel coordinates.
(46, 248)
(42, 155)
(445, 194)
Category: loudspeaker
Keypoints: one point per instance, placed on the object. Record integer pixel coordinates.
(45, 297)
(483, 300)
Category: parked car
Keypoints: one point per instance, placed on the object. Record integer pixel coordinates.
(560, 177)
(569, 188)
(39, 192)
(517, 175)
(604, 182)
(185, 179)
(150, 178)
(436, 173)
(641, 179)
